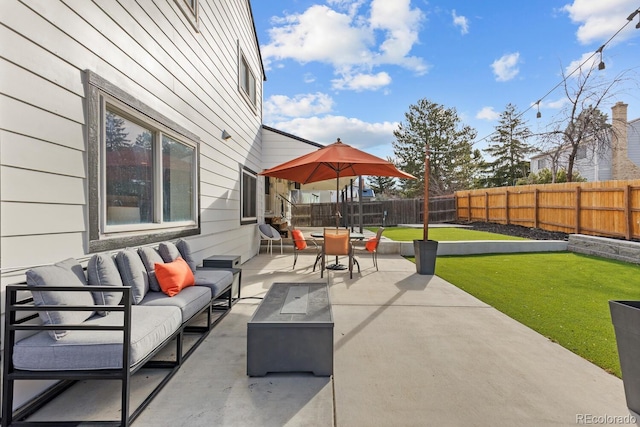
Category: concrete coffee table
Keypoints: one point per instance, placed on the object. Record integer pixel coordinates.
(292, 331)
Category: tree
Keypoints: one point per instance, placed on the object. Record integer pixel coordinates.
(581, 124)
(546, 176)
(117, 137)
(509, 149)
(452, 160)
(382, 185)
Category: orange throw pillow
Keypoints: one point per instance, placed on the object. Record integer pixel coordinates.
(174, 276)
(298, 239)
(371, 244)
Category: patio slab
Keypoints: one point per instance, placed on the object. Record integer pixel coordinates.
(409, 351)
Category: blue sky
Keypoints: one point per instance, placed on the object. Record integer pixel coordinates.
(351, 68)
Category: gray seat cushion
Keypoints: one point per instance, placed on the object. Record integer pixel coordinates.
(215, 279)
(266, 229)
(66, 273)
(190, 300)
(80, 350)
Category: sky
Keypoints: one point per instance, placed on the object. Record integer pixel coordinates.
(350, 69)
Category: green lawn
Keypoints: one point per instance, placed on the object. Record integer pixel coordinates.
(402, 234)
(562, 295)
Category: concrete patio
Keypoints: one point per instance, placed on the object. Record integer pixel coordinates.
(409, 350)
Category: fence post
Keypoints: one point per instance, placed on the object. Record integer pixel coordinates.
(577, 209)
(535, 208)
(469, 204)
(486, 206)
(627, 212)
(506, 205)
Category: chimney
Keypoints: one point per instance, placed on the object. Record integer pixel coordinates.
(623, 168)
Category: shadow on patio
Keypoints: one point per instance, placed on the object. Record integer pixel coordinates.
(408, 350)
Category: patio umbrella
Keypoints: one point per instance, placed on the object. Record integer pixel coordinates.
(334, 161)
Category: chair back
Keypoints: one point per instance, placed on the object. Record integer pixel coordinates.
(299, 242)
(378, 236)
(336, 241)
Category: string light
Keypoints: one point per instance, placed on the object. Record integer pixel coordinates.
(601, 66)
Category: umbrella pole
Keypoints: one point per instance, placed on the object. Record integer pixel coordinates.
(337, 200)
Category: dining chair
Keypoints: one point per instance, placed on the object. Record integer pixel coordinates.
(270, 234)
(336, 243)
(371, 246)
(300, 244)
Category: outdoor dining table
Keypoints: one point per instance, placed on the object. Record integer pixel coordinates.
(353, 235)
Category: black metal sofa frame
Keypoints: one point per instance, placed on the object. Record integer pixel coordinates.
(14, 322)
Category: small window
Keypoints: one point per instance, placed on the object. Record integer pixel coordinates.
(248, 197)
(190, 10)
(267, 185)
(581, 153)
(247, 81)
(542, 163)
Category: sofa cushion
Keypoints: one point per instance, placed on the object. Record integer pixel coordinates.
(215, 279)
(65, 273)
(190, 301)
(298, 239)
(174, 276)
(133, 273)
(103, 271)
(266, 229)
(150, 257)
(79, 350)
(168, 251)
(185, 250)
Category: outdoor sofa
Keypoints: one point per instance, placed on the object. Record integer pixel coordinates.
(108, 320)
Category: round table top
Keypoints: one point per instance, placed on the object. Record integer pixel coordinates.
(353, 235)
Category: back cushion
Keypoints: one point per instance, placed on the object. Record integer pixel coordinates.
(185, 251)
(65, 273)
(371, 244)
(266, 230)
(102, 271)
(298, 239)
(150, 257)
(133, 273)
(168, 251)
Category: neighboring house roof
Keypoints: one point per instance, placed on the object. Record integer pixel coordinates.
(288, 135)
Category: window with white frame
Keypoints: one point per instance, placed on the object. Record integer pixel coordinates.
(143, 172)
(190, 9)
(247, 81)
(581, 153)
(542, 163)
(248, 196)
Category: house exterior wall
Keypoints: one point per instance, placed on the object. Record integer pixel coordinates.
(185, 70)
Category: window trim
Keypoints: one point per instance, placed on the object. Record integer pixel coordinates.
(249, 219)
(99, 92)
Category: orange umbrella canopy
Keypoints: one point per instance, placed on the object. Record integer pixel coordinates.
(334, 161)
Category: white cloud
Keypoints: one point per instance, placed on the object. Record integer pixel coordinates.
(460, 21)
(488, 113)
(599, 20)
(278, 107)
(506, 68)
(588, 64)
(351, 131)
(352, 43)
(360, 82)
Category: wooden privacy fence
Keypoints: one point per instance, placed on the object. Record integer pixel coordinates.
(608, 208)
(374, 213)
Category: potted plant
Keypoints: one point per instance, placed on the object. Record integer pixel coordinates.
(625, 316)
(425, 250)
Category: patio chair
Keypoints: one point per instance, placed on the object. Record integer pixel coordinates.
(270, 234)
(300, 244)
(336, 243)
(371, 246)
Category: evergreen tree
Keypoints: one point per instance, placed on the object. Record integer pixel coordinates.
(452, 161)
(381, 185)
(115, 130)
(509, 150)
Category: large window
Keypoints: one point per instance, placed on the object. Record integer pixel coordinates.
(143, 172)
(247, 81)
(248, 196)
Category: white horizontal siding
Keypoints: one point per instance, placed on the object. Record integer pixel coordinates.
(26, 219)
(22, 185)
(278, 148)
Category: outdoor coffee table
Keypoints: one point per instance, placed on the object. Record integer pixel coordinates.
(292, 331)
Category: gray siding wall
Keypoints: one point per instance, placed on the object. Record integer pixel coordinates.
(149, 49)
(633, 141)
